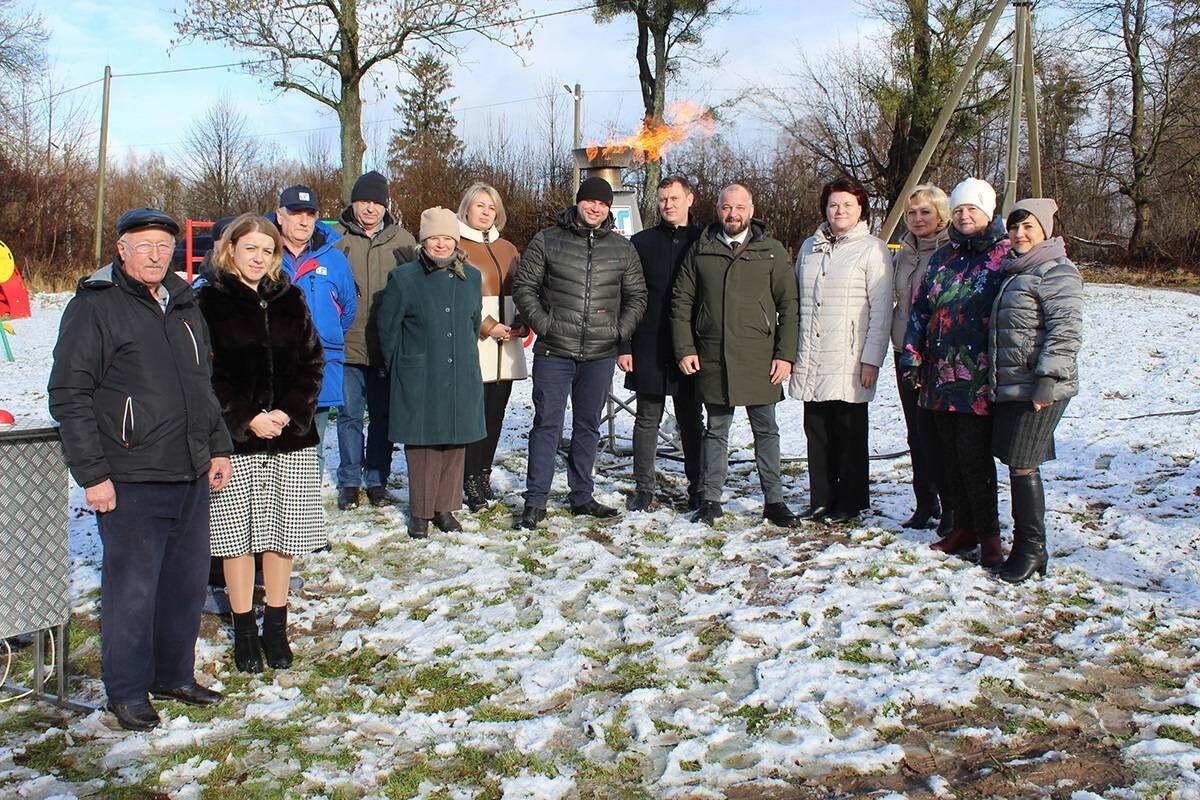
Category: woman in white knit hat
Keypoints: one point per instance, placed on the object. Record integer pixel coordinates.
(946, 357)
(428, 325)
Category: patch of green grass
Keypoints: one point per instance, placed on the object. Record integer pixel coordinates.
(714, 634)
(1080, 601)
(420, 614)
(615, 735)
(759, 719)
(1080, 696)
(878, 572)
(711, 676)
(977, 628)
(1184, 709)
(833, 612)
(348, 665)
(491, 713)
(689, 766)
(530, 564)
(1034, 725)
(1178, 734)
(662, 726)
(32, 719)
(917, 618)
(622, 780)
(633, 675)
(405, 782)
(715, 542)
(448, 690)
(857, 654)
(646, 574)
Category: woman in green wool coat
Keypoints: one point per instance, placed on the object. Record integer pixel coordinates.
(428, 324)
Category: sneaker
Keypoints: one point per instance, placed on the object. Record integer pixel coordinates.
(348, 498)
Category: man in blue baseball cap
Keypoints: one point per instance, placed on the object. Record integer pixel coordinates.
(142, 433)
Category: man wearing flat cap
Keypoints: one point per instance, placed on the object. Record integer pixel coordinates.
(142, 433)
(581, 289)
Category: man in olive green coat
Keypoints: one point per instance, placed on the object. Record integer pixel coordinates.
(735, 326)
(374, 244)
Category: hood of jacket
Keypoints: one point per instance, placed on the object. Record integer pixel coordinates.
(348, 219)
(323, 235)
(712, 233)
(113, 275)
(1040, 253)
(981, 242)
(568, 219)
(824, 240)
(474, 235)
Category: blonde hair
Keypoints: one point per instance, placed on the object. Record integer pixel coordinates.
(935, 197)
(234, 231)
(469, 197)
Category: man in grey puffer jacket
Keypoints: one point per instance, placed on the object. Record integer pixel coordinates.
(581, 289)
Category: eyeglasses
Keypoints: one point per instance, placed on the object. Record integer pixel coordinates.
(146, 248)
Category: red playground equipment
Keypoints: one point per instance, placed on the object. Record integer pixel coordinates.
(14, 299)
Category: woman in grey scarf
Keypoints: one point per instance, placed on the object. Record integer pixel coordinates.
(1035, 336)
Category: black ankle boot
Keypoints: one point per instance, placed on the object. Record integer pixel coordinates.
(485, 485)
(274, 638)
(473, 492)
(1029, 529)
(247, 652)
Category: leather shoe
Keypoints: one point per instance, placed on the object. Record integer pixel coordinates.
(593, 509)
(642, 501)
(138, 716)
(378, 496)
(709, 513)
(815, 513)
(780, 514)
(445, 522)
(842, 516)
(921, 518)
(530, 517)
(418, 528)
(348, 498)
(191, 693)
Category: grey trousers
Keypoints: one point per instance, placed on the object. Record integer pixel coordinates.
(766, 450)
(646, 423)
(435, 478)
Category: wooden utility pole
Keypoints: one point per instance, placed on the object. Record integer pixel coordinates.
(100, 166)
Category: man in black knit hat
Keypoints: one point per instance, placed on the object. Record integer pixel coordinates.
(580, 288)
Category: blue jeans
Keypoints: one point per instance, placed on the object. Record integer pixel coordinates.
(365, 389)
(587, 384)
(152, 582)
(321, 421)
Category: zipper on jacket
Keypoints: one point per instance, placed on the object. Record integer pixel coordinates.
(587, 294)
(127, 420)
(195, 344)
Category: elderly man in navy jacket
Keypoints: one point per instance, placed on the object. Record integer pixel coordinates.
(142, 434)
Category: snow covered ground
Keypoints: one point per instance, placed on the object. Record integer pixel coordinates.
(653, 657)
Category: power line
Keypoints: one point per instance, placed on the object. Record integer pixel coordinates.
(59, 94)
(190, 69)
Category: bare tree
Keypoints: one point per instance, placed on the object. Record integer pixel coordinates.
(218, 158)
(1145, 52)
(325, 50)
(668, 31)
(23, 38)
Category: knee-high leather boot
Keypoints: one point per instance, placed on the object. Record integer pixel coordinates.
(1029, 529)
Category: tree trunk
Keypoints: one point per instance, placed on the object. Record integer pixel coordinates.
(1133, 25)
(354, 147)
(914, 122)
(654, 111)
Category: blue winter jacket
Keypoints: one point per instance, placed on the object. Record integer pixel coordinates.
(328, 284)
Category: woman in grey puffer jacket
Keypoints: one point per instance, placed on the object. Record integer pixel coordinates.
(1035, 335)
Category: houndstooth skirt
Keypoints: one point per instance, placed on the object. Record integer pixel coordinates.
(272, 503)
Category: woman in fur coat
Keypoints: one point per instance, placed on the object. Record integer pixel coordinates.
(267, 371)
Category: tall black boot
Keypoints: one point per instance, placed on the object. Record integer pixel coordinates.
(485, 485)
(247, 652)
(275, 641)
(1029, 529)
(473, 492)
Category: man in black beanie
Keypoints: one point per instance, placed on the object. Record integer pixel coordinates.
(374, 243)
(580, 288)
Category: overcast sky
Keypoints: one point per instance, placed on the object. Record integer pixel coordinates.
(760, 46)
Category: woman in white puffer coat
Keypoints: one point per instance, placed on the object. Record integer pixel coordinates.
(845, 285)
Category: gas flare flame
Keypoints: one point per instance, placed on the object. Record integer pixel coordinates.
(681, 119)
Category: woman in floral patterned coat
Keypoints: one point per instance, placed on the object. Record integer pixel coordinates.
(946, 357)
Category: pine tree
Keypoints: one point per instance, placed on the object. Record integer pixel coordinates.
(427, 124)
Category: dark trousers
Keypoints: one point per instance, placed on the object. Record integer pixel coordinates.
(646, 423)
(587, 384)
(480, 454)
(965, 446)
(766, 450)
(152, 586)
(921, 443)
(366, 389)
(837, 455)
(435, 478)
